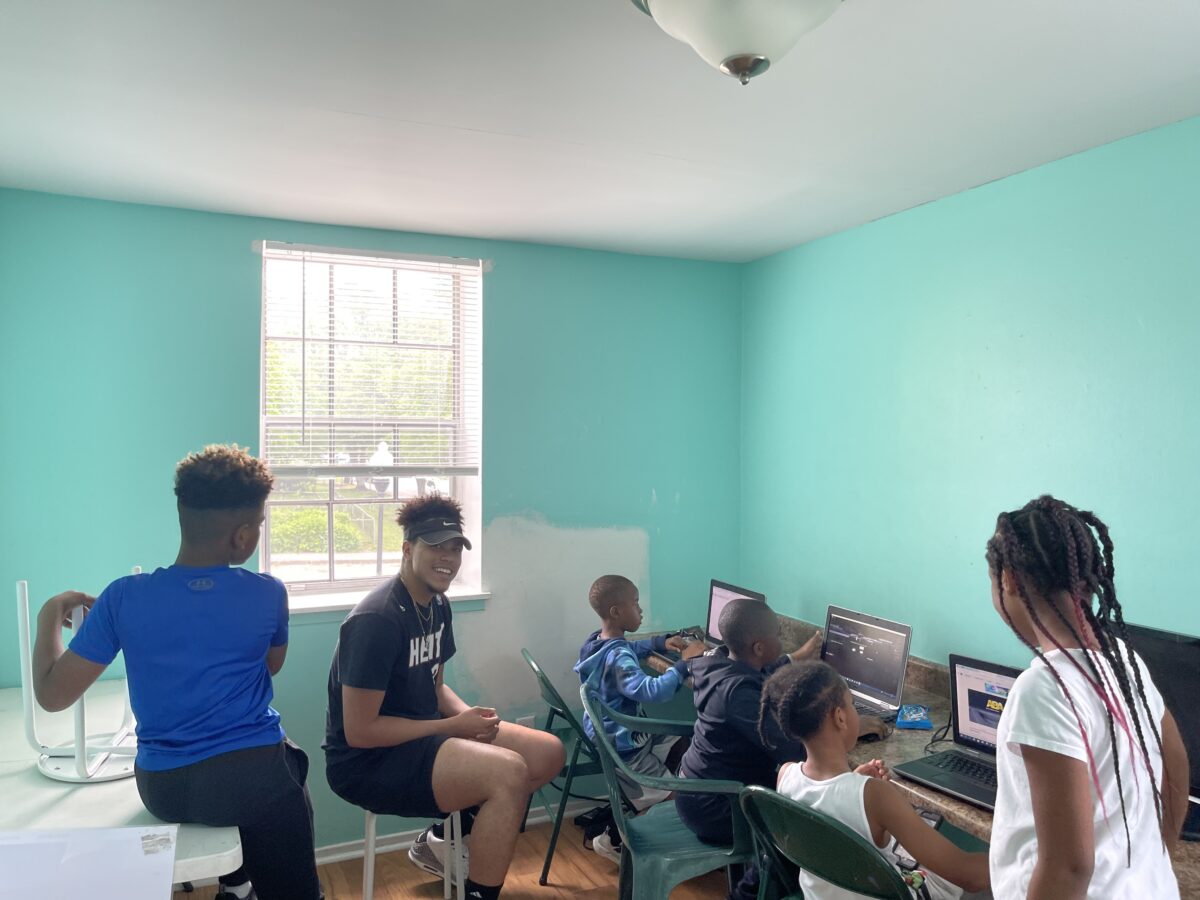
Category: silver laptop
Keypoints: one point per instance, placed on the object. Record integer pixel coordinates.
(871, 655)
(978, 692)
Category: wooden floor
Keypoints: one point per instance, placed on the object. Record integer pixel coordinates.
(577, 873)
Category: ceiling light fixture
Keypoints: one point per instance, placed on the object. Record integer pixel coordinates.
(742, 38)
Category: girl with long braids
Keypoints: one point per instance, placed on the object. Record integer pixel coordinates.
(1092, 771)
(811, 703)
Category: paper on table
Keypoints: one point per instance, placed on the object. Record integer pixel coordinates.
(124, 863)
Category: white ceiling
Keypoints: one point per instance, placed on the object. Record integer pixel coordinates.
(571, 122)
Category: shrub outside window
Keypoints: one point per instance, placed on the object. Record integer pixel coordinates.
(370, 395)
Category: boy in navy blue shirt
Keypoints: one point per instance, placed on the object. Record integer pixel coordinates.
(727, 688)
(202, 639)
(726, 743)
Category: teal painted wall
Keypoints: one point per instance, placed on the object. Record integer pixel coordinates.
(905, 381)
(896, 385)
(129, 336)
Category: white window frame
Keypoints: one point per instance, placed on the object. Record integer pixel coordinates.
(464, 477)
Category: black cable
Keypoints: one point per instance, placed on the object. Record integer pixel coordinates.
(939, 737)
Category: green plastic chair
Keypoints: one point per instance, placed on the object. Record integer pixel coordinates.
(658, 850)
(820, 845)
(582, 746)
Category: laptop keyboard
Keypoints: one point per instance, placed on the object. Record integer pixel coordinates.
(967, 767)
(866, 710)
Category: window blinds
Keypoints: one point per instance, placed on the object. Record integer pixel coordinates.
(370, 362)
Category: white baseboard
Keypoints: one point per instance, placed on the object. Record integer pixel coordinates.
(402, 840)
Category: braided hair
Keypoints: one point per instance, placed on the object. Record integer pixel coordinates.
(1050, 549)
(799, 697)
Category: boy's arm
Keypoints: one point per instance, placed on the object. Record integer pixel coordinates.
(275, 658)
(277, 651)
(810, 649)
(449, 703)
(646, 646)
(60, 676)
(635, 684)
(889, 812)
(365, 727)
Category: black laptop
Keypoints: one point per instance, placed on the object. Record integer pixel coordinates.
(978, 693)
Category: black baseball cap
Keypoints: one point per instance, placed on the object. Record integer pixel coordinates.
(436, 531)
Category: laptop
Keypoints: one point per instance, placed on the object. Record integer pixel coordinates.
(978, 691)
(871, 655)
(719, 596)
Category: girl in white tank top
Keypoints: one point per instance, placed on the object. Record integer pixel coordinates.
(812, 704)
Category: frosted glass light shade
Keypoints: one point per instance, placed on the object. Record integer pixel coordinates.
(723, 30)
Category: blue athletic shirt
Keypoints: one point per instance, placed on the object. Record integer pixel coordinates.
(195, 642)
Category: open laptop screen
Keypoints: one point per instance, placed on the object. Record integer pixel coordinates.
(870, 653)
(719, 595)
(980, 691)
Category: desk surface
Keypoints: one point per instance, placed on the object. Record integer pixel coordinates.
(33, 801)
(903, 745)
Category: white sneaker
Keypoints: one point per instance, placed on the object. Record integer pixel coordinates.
(603, 846)
(428, 853)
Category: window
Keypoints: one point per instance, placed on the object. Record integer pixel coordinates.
(370, 395)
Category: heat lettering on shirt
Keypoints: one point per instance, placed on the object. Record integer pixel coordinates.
(425, 649)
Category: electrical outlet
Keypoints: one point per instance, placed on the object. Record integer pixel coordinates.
(527, 721)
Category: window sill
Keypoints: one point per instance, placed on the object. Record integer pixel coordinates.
(300, 604)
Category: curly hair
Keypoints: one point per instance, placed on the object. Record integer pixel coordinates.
(800, 696)
(1050, 548)
(430, 506)
(222, 477)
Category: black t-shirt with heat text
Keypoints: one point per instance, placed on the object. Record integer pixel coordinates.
(388, 643)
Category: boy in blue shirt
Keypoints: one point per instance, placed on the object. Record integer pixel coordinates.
(609, 662)
(201, 640)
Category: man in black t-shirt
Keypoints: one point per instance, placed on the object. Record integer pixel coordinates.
(398, 739)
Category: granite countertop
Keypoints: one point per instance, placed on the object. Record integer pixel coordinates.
(928, 683)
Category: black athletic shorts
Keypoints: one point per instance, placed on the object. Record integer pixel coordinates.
(392, 781)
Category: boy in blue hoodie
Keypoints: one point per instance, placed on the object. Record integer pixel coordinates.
(609, 662)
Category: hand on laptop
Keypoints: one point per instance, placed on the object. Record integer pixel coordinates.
(688, 649)
(810, 649)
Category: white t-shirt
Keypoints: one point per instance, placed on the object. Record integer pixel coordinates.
(1039, 715)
